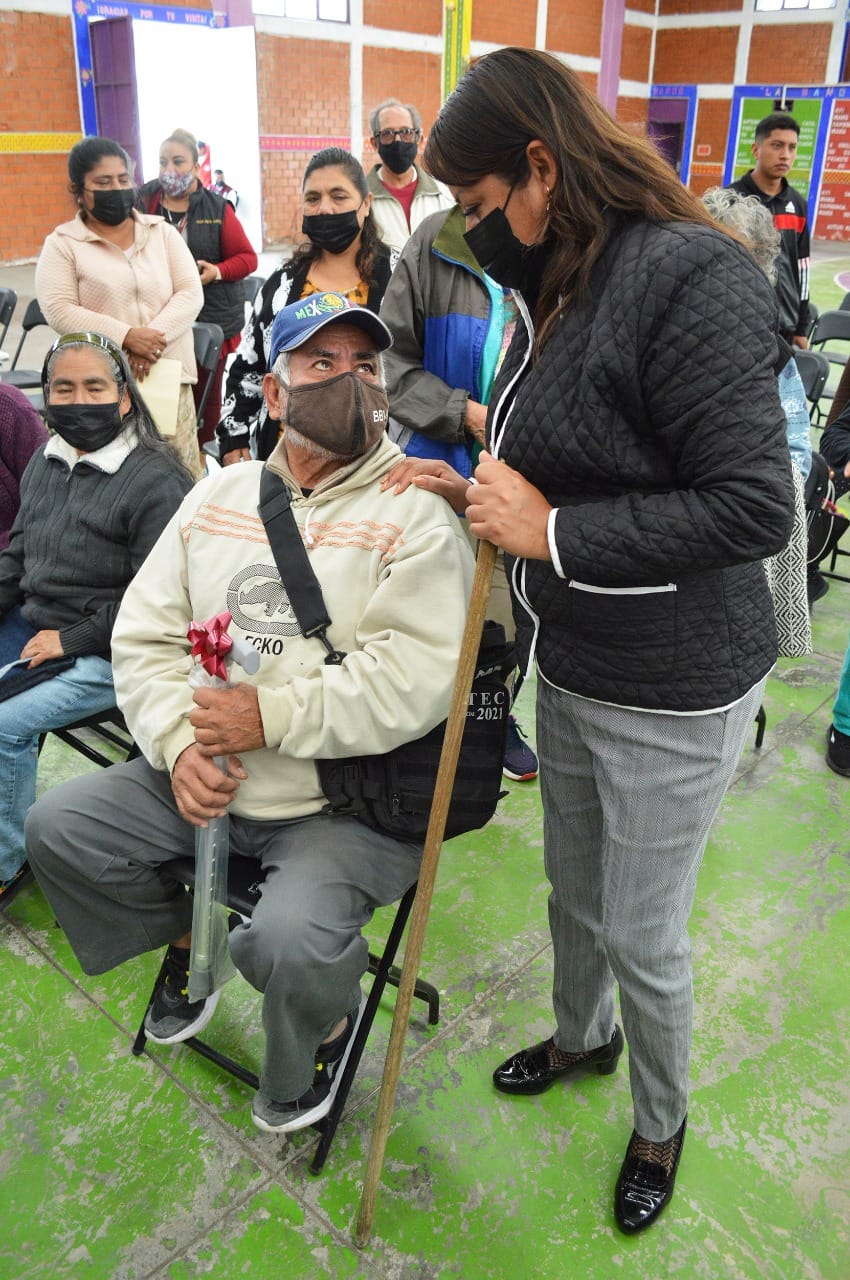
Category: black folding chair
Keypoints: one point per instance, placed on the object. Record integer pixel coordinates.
(209, 339)
(252, 286)
(244, 879)
(107, 726)
(8, 302)
(814, 372)
(831, 327)
(25, 379)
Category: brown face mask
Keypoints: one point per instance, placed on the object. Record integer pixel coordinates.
(345, 415)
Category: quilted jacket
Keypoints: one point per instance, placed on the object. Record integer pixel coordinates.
(651, 422)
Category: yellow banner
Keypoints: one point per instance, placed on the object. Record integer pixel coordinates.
(457, 28)
(24, 144)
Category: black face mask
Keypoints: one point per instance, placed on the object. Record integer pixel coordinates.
(85, 426)
(114, 206)
(333, 232)
(504, 257)
(397, 156)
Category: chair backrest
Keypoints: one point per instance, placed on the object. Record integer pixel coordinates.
(831, 326)
(844, 304)
(814, 371)
(33, 317)
(8, 302)
(252, 286)
(209, 339)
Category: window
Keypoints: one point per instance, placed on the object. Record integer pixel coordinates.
(771, 6)
(305, 10)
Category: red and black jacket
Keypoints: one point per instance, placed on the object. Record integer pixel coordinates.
(790, 217)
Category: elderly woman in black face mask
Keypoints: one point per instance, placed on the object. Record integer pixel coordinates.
(342, 253)
(94, 500)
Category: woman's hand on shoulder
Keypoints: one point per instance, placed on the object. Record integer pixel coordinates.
(432, 474)
(504, 508)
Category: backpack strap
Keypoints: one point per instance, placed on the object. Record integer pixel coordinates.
(293, 563)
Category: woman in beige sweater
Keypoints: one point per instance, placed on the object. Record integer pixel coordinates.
(125, 274)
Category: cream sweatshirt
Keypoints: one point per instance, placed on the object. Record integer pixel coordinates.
(395, 572)
(84, 282)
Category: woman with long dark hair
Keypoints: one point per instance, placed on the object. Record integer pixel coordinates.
(94, 500)
(342, 253)
(639, 474)
(125, 274)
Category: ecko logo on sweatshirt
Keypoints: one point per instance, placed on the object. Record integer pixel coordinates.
(258, 603)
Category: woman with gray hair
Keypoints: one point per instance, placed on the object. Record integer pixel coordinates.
(94, 500)
(786, 572)
(748, 219)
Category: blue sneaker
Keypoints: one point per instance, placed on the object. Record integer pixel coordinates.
(520, 763)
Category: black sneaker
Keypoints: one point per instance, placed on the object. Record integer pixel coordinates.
(284, 1117)
(838, 751)
(9, 888)
(172, 1016)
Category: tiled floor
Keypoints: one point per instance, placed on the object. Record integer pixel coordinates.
(119, 1168)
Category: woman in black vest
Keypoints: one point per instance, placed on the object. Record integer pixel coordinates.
(217, 241)
(638, 472)
(341, 253)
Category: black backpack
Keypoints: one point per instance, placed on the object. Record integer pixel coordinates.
(393, 792)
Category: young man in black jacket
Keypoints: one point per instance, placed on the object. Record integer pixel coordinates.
(775, 150)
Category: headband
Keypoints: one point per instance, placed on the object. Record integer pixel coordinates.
(91, 339)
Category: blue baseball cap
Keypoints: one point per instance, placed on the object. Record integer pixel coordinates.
(294, 324)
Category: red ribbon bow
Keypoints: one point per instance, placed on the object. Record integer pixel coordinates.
(211, 643)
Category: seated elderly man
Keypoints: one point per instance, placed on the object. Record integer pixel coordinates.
(395, 573)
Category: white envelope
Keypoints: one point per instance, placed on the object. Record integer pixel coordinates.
(161, 392)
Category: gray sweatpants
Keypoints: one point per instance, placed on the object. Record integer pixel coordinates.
(628, 800)
(100, 846)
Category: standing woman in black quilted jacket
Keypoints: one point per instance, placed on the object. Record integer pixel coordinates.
(639, 473)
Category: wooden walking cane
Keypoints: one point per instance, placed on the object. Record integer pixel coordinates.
(427, 874)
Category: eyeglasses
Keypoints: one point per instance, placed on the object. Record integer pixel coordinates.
(406, 135)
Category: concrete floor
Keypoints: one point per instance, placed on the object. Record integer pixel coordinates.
(119, 1168)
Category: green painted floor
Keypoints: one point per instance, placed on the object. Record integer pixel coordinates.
(119, 1168)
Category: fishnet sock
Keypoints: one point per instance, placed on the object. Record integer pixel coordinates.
(660, 1153)
(559, 1058)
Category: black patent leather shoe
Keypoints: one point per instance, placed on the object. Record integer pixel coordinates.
(646, 1181)
(529, 1071)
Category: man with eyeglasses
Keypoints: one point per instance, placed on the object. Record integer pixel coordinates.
(402, 192)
